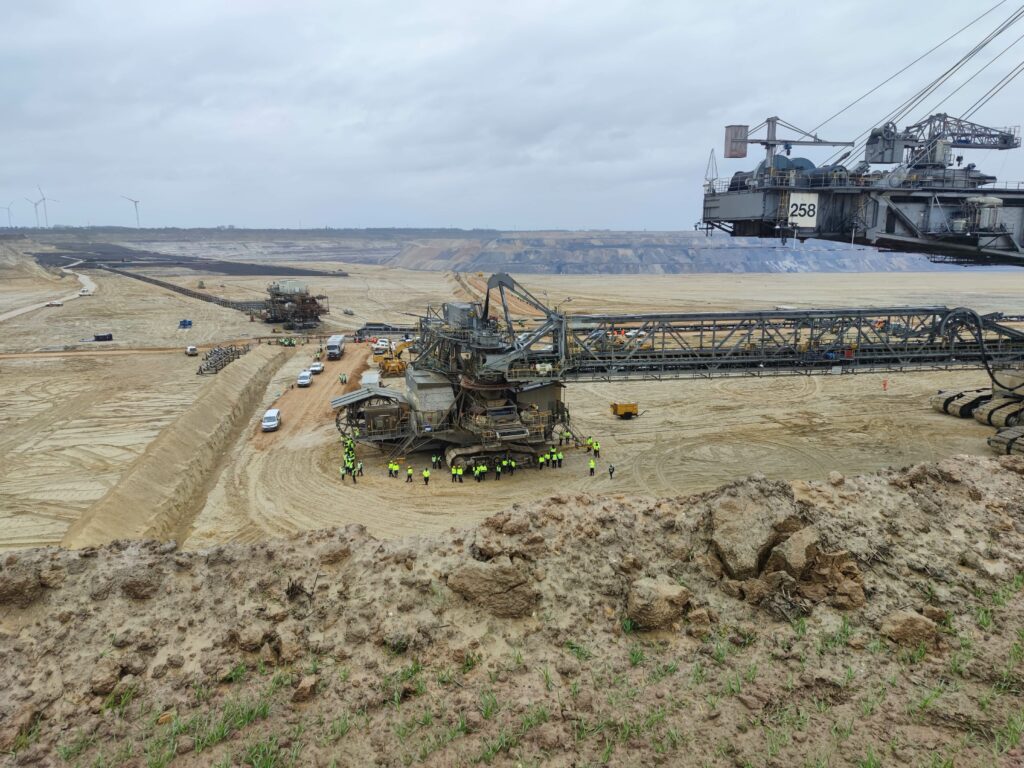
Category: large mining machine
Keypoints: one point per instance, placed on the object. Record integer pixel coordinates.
(291, 303)
(488, 378)
(912, 191)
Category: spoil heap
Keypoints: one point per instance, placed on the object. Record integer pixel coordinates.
(763, 623)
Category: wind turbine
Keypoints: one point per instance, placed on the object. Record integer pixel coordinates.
(136, 204)
(10, 224)
(42, 199)
(35, 206)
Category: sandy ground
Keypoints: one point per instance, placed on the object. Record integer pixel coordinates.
(138, 314)
(693, 436)
(282, 481)
(866, 621)
(76, 419)
(372, 293)
(71, 425)
(23, 283)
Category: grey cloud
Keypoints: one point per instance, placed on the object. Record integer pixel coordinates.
(528, 114)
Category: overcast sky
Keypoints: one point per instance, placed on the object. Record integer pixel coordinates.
(469, 113)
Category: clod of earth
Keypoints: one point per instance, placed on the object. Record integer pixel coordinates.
(497, 586)
(748, 519)
(909, 628)
(654, 604)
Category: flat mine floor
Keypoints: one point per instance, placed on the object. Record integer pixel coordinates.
(77, 414)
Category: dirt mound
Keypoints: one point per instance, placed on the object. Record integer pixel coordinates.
(165, 488)
(719, 629)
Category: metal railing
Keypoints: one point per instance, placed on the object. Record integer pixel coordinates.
(219, 357)
(845, 180)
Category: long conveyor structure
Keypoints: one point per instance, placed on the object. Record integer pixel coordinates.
(707, 344)
(488, 375)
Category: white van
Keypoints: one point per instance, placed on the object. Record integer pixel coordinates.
(271, 420)
(336, 346)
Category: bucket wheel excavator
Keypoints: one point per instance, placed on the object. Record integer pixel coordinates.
(912, 191)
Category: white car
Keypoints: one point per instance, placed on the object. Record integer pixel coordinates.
(305, 379)
(271, 420)
(55, 303)
(381, 346)
(316, 367)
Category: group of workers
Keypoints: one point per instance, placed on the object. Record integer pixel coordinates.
(552, 459)
(503, 466)
(351, 466)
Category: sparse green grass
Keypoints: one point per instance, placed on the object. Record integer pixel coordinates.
(235, 714)
(661, 671)
(799, 625)
(720, 651)
(628, 625)
(282, 679)
(403, 728)
(836, 640)
(237, 673)
(870, 760)
(470, 662)
(928, 591)
(697, 673)
(578, 650)
(867, 706)
(339, 728)
(927, 699)
(78, 744)
(443, 738)
(266, 753)
(775, 741)
(636, 656)
(912, 656)
(983, 617)
(935, 760)
(119, 701)
(957, 662)
(507, 740)
(746, 636)
(733, 685)
(615, 732)
(545, 674)
(488, 704)
(841, 731)
(201, 693)
(1009, 735)
(404, 683)
(26, 737)
(445, 676)
(206, 729)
